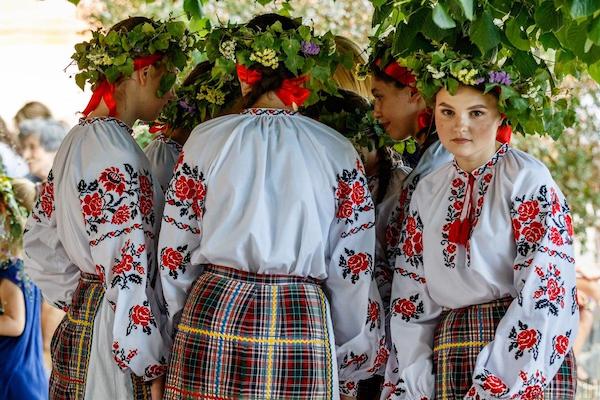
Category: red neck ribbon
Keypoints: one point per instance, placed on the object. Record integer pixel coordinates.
(398, 73)
(460, 230)
(105, 90)
(504, 133)
(292, 92)
(158, 128)
(247, 75)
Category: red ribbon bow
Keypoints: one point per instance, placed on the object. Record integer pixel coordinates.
(106, 90)
(247, 75)
(292, 92)
(504, 133)
(158, 128)
(398, 73)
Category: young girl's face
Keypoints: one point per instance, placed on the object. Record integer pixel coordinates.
(393, 108)
(467, 124)
(152, 103)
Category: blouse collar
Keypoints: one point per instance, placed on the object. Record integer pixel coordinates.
(161, 137)
(268, 111)
(498, 155)
(86, 121)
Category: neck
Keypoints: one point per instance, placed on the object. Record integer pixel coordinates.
(470, 164)
(270, 100)
(124, 113)
(179, 135)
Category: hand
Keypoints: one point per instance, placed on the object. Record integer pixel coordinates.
(158, 388)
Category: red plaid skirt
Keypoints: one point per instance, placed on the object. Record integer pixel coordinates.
(72, 342)
(460, 336)
(249, 336)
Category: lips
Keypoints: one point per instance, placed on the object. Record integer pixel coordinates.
(461, 141)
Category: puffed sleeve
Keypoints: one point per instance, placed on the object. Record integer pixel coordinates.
(355, 303)
(46, 260)
(540, 325)
(118, 208)
(180, 234)
(162, 154)
(413, 317)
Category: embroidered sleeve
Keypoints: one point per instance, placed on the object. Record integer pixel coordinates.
(180, 235)
(537, 331)
(355, 303)
(413, 318)
(118, 211)
(45, 258)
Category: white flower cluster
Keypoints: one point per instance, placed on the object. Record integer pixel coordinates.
(435, 74)
(266, 57)
(214, 96)
(227, 49)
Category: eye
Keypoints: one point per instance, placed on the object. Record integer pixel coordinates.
(446, 112)
(477, 113)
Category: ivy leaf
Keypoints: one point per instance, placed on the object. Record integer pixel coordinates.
(176, 28)
(290, 46)
(547, 17)
(112, 38)
(192, 8)
(594, 71)
(74, 1)
(166, 83)
(484, 33)
(294, 63)
(549, 41)
(80, 80)
(112, 73)
(525, 63)
(441, 17)
(515, 36)
(120, 59)
(467, 7)
(594, 32)
(583, 8)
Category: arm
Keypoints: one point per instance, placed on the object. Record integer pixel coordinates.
(180, 234)
(118, 210)
(540, 325)
(12, 321)
(356, 309)
(45, 258)
(413, 318)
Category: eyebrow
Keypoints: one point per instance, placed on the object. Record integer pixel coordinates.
(470, 108)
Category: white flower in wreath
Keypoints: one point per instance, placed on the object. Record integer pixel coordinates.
(435, 74)
(227, 49)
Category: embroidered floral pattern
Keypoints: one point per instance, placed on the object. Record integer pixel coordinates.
(140, 317)
(532, 386)
(408, 308)
(373, 315)
(354, 264)
(524, 339)
(122, 357)
(128, 268)
(187, 191)
(175, 260)
(491, 384)
(394, 234)
(268, 111)
(381, 357)
(358, 360)
(411, 275)
(551, 290)
(89, 121)
(394, 389)
(352, 195)
(156, 370)
(412, 241)
(560, 347)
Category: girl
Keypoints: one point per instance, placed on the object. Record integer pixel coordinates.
(195, 101)
(282, 306)
(22, 374)
(483, 305)
(92, 251)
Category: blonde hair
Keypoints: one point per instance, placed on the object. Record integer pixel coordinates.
(25, 192)
(33, 109)
(346, 78)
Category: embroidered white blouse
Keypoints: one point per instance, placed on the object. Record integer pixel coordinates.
(98, 213)
(163, 152)
(273, 192)
(520, 246)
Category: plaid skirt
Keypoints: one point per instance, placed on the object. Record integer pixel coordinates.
(72, 342)
(249, 336)
(460, 336)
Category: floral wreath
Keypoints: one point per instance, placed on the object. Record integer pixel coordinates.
(109, 56)
(12, 216)
(200, 101)
(310, 58)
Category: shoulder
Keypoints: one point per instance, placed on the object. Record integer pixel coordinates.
(524, 170)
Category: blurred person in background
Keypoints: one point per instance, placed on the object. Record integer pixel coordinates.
(12, 164)
(31, 110)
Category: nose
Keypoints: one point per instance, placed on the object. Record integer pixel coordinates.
(377, 110)
(462, 124)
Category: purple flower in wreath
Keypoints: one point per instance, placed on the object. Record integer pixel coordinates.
(310, 48)
(479, 81)
(186, 107)
(500, 77)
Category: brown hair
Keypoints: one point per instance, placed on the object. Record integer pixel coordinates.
(31, 110)
(346, 78)
(25, 192)
(129, 23)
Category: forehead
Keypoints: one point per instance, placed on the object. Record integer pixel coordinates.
(381, 86)
(465, 97)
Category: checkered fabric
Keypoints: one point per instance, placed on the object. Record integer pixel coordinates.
(460, 336)
(72, 342)
(248, 336)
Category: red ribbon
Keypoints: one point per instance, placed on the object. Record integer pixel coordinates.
(292, 91)
(398, 73)
(158, 128)
(460, 230)
(424, 119)
(247, 75)
(106, 90)
(504, 133)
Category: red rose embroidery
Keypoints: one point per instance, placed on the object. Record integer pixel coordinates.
(358, 263)
(569, 224)
(411, 225)
(458, 205)
(121, 216)
(92, 205)
(343, 190)
(146, 204)
(171, 258)
(155, 370)
(345, 209)
(487, 178)
(562, 344)
(47, 205)
(457, 182)
(140, 315)
(358, 193)
(528, 210)
(556, 237)
(534, 232)
(516, 228)
(533, 393)
(527, 339)
(418, 242)
(494, 385)
(472, 392)
(373, 311)
(112, 179)
(553, 290)
(451, 248)
(185, 188)
(200, 191)
(407, 248)
(124, 265)
(146, 186)
(405, 307)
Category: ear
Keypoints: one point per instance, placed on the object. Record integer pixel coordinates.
(415, 96)
(143, 74)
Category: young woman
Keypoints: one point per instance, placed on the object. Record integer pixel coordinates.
(484, 304)
(22, 374)
(90, 242)
(267, 241)
(196, 101)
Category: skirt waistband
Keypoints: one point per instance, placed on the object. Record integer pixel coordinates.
(91, 278)
(263, 279)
